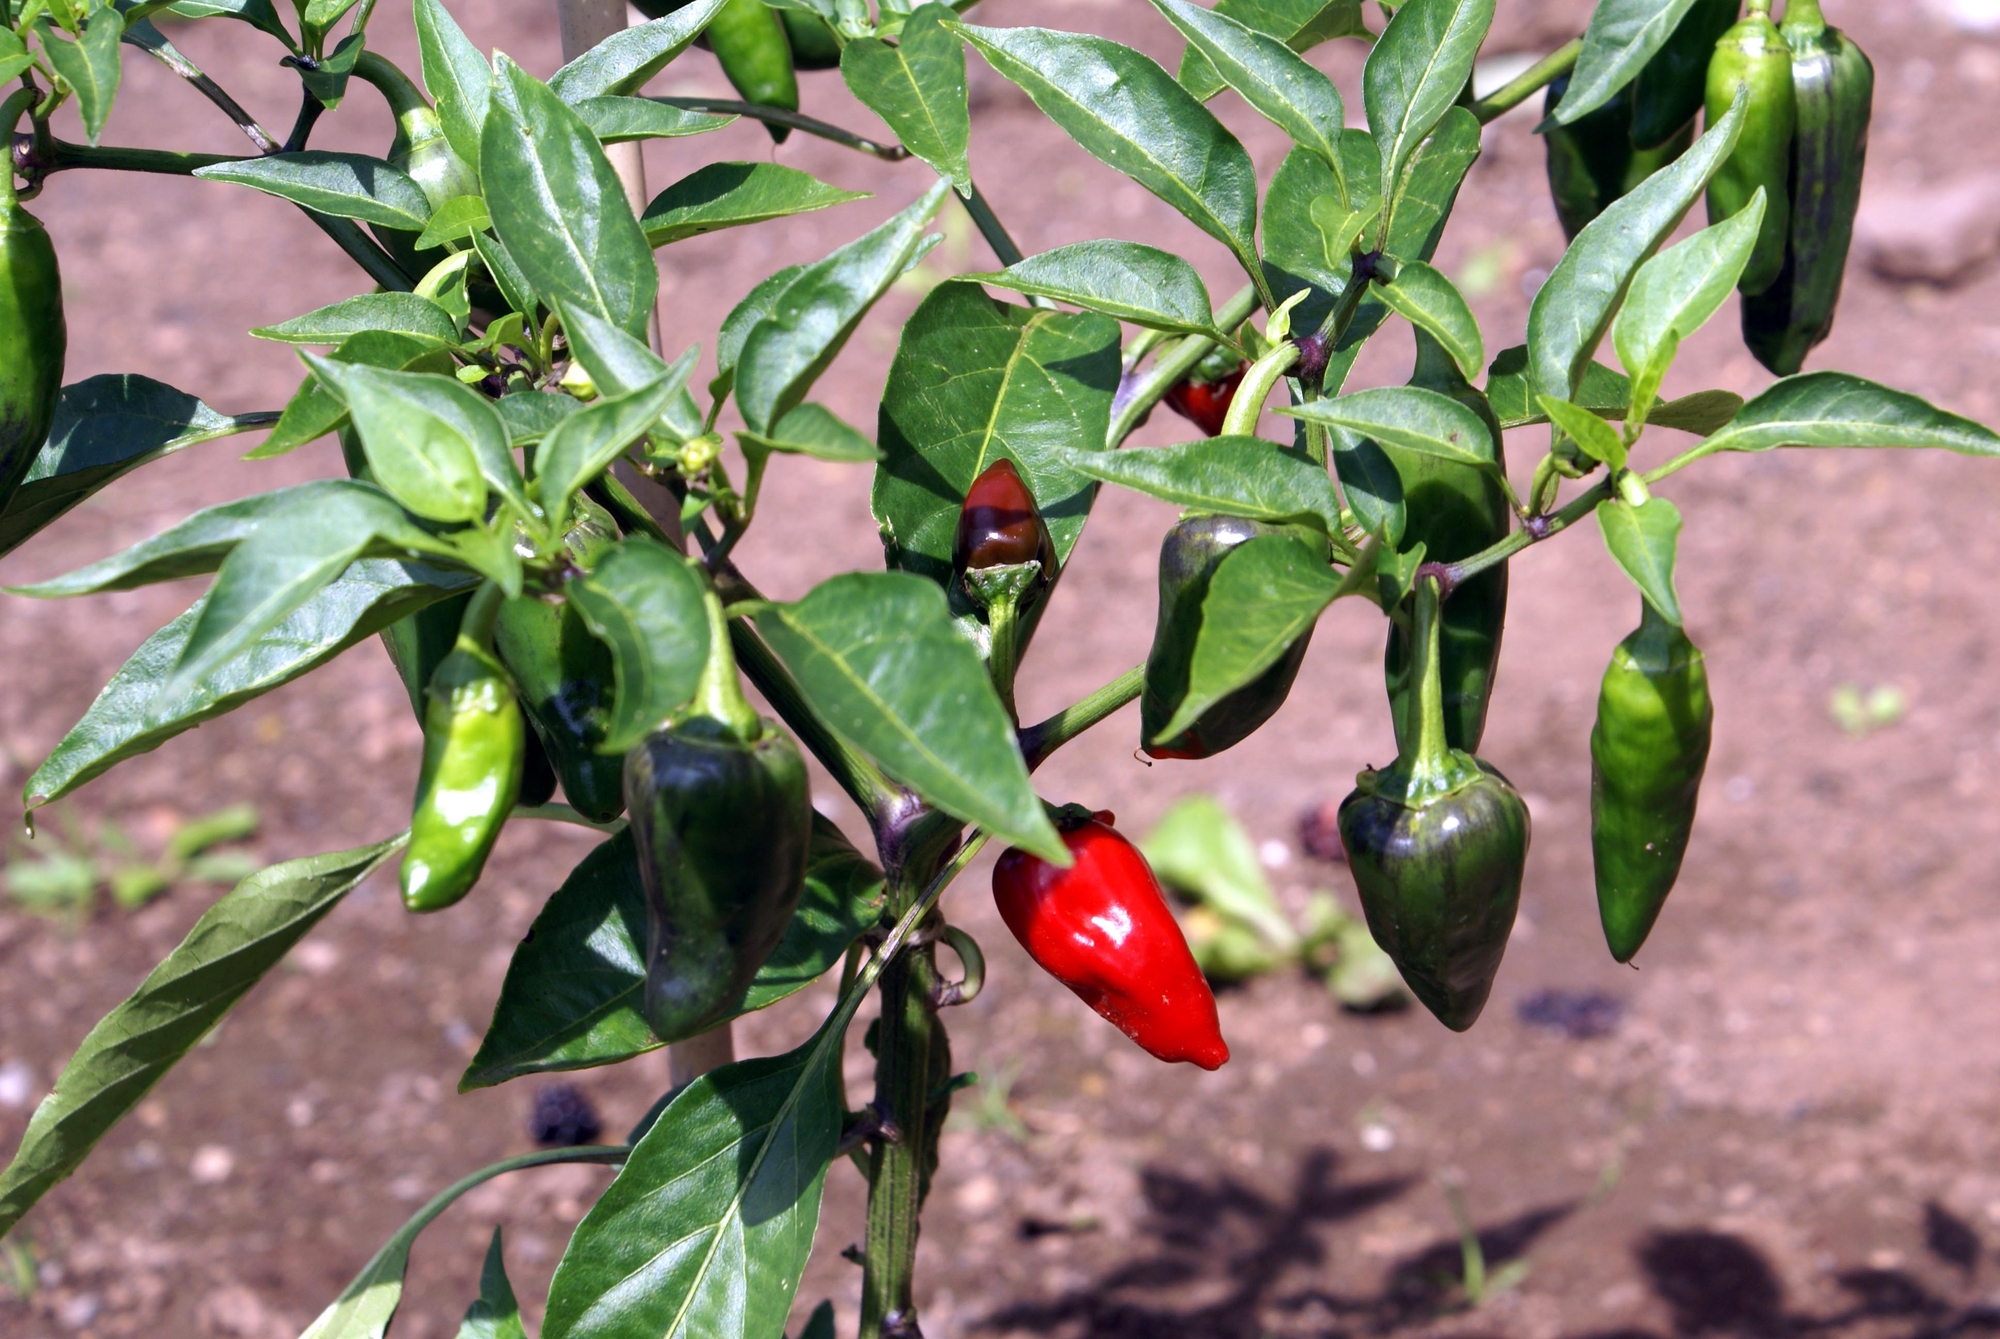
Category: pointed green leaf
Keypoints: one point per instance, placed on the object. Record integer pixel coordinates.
(1225, 476)
(1372, 485)
(615, 120)
(1836, 409)
(814, 430)
(917, 87)
(1674, 294)
(1423, 296)
(433, 443)
(1299, 24)
(496, 1314)
(878, 660)
(1642, 540)
(585, 444)
(456, 75)
(315, 411)
(399, 313)
(728, 195)
(623, 62)
(90, 67)
(1622, 36)
(1279, 85)
(1410, 418)
(742, 319)
(456, 220)
(644, 602)
(1418, 68)
(1126, 280)
(345, 185)
(228, 951)
(1592, 435)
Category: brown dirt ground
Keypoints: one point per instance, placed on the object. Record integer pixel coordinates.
(1792, 1131)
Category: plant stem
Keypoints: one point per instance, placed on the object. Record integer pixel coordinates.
(150, 40)
(991, 228)
(1529, 82)
(1537, 529)
(60, 155)
(1137, 397)
(778, 116)
(1040, 740)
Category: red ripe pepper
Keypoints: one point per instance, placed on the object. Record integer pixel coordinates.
(1000, 525)
(1102, 928)
(1205, 403)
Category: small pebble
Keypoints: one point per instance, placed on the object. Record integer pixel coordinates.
(563, 1117)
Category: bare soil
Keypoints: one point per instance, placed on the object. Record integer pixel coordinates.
(1793, 1129)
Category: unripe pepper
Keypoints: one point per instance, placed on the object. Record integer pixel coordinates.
(1205, 403)
(1001, 531)
(1189, 555)
(33, 335)
(1752, 56)
(1455, 511)
(566, 679)
(814, 45)
(749, 40)
(1671, 86)
(1833, 86)
(1102, 928)
(1592, 162)
(473, 750)
(722, 823)
(1437, 842)
(1647, 753)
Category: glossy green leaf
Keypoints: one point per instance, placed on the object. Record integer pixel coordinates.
(644, 602)
(1340, 228)
(1409, 418)
(614, 120)
(1423, 296)
(1372, 485)
(707, 1228)
(574, 993)
(1265, 594)
(878, 660)
(1131, 115)
(585, 444)
(810, 321)
(1225, 476)
(1570, 314)
(1299, 24)
(345, 185)
(229, 950)
(1418, 68)
(618, 363)
(90, 67)
(1674, 294)
(259, 14)
(321, 15)
(728, 195)
(511, 280)
(917, 87)
(1700, 413)
(975, 380)
(1836, 409)
(1622, 36)
(623, 62)
(130, 717)
(1604, 392)
(104, 428)
(532, 415)
(1592, 435)
(557, 204)
(1126, 280)
(742, 319)
(433, 443)
(327, 81)
(495, 1314)
(315, 411)
(1642, 540)
(814, 430)
(456, 220)
(457, 77)
(1279, 85)
(399, 313)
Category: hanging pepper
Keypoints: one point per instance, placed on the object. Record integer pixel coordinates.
(421, 151)
(566, 679)
(1102, 928)
(1455, 511)
(1671, 86)
(1000, 532)
(749, 40)
(1437, 842)
(1189, 555)
(473, 746)
(1206, 403)
(33, 335)
(722, 824)
(813, 43)
(1647, 753)
(1833, 86)
(1752, 56)
(1592, 161)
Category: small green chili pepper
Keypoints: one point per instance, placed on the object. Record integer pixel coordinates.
(1592, 162)
(1753, 56)
(1671, 86)
(1437, 842)
(473, 751)
(1647, 753)
(814, 46)
(748, 38)
(33, 335)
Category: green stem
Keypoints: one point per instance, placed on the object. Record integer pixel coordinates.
(1538, 528)
(61, 155)
(992, 229)
(1167, 371)
(719, 695)
(1043, 738)
(482, 611)
(363, 251)
(397, 89)
(17, 105)
(1003, 623)
(1429, 753)
(1529, 82)
(778, 116)
(149, 40)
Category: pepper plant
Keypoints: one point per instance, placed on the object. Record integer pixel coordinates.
(501, 412)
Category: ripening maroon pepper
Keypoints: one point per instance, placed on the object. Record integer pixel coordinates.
(1102, 928)
(999, 524)
(1205, 403)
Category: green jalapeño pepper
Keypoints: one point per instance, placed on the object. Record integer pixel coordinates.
(1454, 511)
(471, 778)
(749, 40)
(566, 679)
(1189, 555)
(1671, 86)
(1833, 85)
(1753, 57)
(1437, 842)
(33, 335)
(813, 44)
(722, 823)
(1592, 163)
(1647, 753)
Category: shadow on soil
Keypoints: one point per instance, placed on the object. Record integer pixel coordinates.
(1220, 1249)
